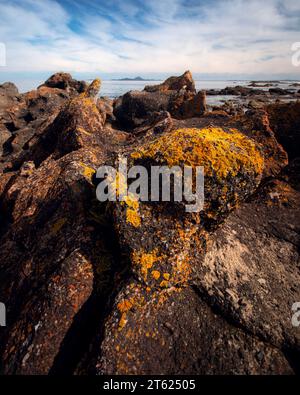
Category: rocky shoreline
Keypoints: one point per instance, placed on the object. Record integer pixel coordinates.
(140, 288)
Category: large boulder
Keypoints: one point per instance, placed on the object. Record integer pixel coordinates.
(66, 82)
(54, 281)
(185, 82)
(251, 270)
(177, 95)
(285, 122)
(175, 332)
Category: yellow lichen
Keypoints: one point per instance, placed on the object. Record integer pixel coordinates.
(155, 274)
(145, 261)
(88, 172)
(133, 217)
(220, 153)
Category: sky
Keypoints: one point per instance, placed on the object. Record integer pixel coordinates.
(145, 37)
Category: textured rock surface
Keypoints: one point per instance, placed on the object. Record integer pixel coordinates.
(185, 82)
(144, 287)
(176, 95)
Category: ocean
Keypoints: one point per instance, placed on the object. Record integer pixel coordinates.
(115, 88)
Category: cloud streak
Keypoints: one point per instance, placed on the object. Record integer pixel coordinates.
(217, 36)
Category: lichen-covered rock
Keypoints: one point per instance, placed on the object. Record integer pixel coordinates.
(175, 332)
(251, 269)
(146, 287)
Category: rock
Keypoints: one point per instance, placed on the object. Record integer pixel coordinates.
(185, 82)
(137, 287)
(251, 269)
(9, 89)
(79, 122)
(256, 104)
(280, 91)
(52, 279)
(27, 169)
(133, 109)
(4, 136)
(66, 82)
(285, 121)
(188, 105)
(175, 332)
(157, 123)
(106, 106)
(256, 125)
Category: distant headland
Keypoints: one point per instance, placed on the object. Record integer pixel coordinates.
(132, 79)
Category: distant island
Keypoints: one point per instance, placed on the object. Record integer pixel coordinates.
(132, 79)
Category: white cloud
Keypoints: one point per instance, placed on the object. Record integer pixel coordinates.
(237, 36)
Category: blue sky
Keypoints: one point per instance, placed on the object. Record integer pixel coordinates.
(135, 37)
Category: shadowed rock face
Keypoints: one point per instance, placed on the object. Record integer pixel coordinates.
(145, 287)
(176, 95)
(285, 121)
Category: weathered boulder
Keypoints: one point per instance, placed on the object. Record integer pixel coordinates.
(175, 332)
(53, 280)
(133, 109)
(78, 123)
(184, 82)
(177, 95)
(285, 122)
(251, 270)
(66, 82)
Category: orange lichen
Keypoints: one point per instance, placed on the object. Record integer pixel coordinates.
(220, 153)
(145, 261)
(132, 210)
(155, 274)
(88, 172)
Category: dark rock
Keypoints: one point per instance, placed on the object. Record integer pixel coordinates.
(285, 121)
(177, 333)
(185, 82)
(66, 82)
(280, 91)
(135, 107)
(146, 287)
